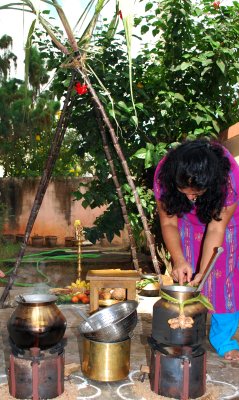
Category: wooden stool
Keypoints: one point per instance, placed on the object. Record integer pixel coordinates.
(111, 278)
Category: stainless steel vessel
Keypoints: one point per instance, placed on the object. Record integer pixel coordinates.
(111, 324)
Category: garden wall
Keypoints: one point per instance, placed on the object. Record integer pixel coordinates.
(58, 211)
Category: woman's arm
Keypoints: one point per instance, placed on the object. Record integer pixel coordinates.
(214, 238)
(182, 270)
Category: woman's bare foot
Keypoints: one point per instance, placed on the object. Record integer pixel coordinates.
(232, 355)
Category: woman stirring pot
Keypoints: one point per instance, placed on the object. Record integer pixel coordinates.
(196, 186)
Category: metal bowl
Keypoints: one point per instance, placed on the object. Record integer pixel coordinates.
(36, 298)
(151, 289)
(150, 276)
(111, 324)
(180, 292)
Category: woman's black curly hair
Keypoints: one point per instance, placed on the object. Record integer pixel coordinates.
(198, 164)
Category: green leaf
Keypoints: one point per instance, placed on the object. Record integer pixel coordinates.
(66, 82)
(149, 146)
(140, 153)
(148, 6)
(216, 126)
(200, 107)
(134, 120)
(28, 49)
(149, 156)
(144, 29)
(205, 70)
(204, 300)
(179, 97)
(198, 119)
(140, 106)
(185, 65)
(221, 65)
(122, 105)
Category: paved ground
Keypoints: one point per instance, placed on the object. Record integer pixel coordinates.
(221, 375)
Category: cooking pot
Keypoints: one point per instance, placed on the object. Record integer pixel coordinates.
(111, 324)
(106, 362)
(166, 309)
(36, 322)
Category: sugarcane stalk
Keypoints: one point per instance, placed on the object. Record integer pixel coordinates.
(118, 189)
(77, 66)
(105, 118)
(50, 163)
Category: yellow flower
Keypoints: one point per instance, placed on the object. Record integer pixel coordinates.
(140, 85)
(38, 138)
(58, 113)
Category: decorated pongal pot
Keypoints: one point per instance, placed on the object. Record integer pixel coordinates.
(179, 317)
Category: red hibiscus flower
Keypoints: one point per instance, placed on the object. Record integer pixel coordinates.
(216, 4)
(81, 89)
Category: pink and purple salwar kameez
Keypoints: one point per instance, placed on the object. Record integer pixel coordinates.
(222, 286)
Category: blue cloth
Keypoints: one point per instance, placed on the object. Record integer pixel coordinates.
(223, 328)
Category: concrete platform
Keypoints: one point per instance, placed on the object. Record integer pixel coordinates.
(223, 376)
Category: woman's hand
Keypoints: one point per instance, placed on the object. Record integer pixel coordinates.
(2, 274)
(182, 272)
(197, 279)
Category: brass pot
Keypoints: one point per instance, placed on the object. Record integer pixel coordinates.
(106, 362)
(36, 322)
(163, 310)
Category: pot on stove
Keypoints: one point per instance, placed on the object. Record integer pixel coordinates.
(36, 322)
(165, 310)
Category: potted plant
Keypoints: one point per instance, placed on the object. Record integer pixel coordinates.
(69, 241)
(37, 241)
(50, 241)
(19, 237)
